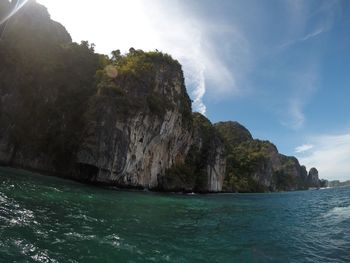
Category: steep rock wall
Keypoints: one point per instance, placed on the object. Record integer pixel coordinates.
(312, 178)
(134, 148)
(137, 151)
(216, 169)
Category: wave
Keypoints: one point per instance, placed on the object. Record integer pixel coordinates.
(338, 214)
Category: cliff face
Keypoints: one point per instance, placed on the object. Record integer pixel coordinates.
(265, 171)
(45, 83)
(255, 165)
(125, 121)
(204, 166)
(216, 166)
(312, 178)
(133, 145)
(209, 152)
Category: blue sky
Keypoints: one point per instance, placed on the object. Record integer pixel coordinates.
(280, 67)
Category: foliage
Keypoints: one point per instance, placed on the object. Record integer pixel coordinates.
(49, 80)
(249, 161)
(142, 64)
(283, 180)
(233, 133)
(291, 175)
(157, 104)
(243, 161)
(138, 77)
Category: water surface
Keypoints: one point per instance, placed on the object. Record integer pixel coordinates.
(46, 219)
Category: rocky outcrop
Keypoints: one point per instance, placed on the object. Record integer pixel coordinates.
(289, 175)
(135, 147)
(210, 153)
(255, 165)
(204, 168)
(266, 169)
(312, 178)
(216, 166)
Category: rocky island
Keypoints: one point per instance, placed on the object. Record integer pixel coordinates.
(124, 121)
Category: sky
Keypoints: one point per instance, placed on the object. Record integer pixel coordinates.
(279, 67)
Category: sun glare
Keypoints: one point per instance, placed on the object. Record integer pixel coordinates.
(18, 6)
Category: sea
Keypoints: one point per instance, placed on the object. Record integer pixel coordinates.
(47, 219)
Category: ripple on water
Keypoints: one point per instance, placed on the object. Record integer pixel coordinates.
(13, 214)
(82, 217)
(80, 237)
(36, 254)
(338, 214)
(114, 240)
(3, 199)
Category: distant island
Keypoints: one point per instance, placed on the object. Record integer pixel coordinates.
(124, 120)
(337, 183)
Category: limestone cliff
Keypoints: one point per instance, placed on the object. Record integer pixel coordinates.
(132, 145)
(204, 168)
(210, 153)
(45, 83)
(255, 165)
(124, 121)
(312, 178)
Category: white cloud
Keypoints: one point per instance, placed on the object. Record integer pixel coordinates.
(296, 116)
(307, 37)
(303, 148)
(330, 155)
(312, 34)
(169, 26)
(303, 84)
(302, 13)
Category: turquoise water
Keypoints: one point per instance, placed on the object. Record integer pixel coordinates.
(46, 219)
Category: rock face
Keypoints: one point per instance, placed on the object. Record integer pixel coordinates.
(216, 166)
(210, 153)
(136, 147)
(204, 167)
(264, 174)
(255, 165)
(312, 178)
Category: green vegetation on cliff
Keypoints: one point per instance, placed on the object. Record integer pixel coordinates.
(233, 133)
(245, 161)
(132, 80)
(256, 166)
